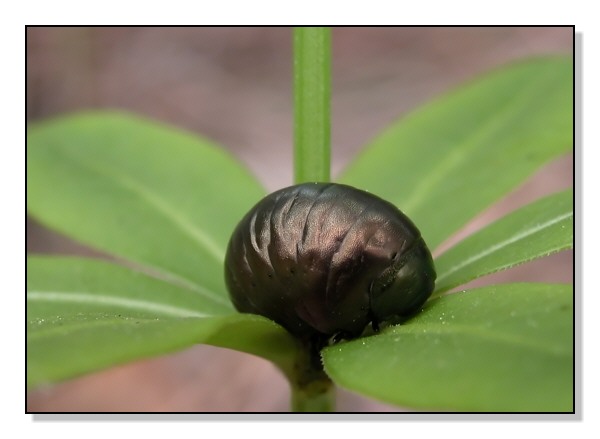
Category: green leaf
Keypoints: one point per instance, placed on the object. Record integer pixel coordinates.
(85, 315)
(133, 188)
(505, 348)
(68, 285)
(536, 230)
(446, 162)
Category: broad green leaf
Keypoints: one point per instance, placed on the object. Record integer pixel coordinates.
(536, 230)
(85, 315)
(145, 192)
(505, 348)
(67, 285)
(447, 161)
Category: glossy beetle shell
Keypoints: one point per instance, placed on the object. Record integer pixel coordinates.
(324, 258)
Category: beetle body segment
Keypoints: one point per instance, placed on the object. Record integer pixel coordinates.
(325, 258)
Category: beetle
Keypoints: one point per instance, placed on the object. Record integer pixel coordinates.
(327, 259)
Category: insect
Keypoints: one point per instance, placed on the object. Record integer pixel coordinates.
(326, 259)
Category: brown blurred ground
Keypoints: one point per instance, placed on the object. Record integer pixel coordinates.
(233, 85)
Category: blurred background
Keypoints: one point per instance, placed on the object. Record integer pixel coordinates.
(234, 86)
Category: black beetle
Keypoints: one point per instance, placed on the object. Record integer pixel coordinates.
(325, 259)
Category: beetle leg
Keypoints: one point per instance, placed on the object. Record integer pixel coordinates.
(375, 325)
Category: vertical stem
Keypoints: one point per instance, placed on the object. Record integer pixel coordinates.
(312, 104)
(319, 397)
(312, 390)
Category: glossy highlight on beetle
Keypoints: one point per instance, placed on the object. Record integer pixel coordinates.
(327, 259)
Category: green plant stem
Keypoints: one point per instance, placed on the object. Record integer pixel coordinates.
(312, 104)
(317, 398)
(312, 389)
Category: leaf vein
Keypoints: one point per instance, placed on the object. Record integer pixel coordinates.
(502, 244)
(460, 155)
(102, 299)
(166, 209)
